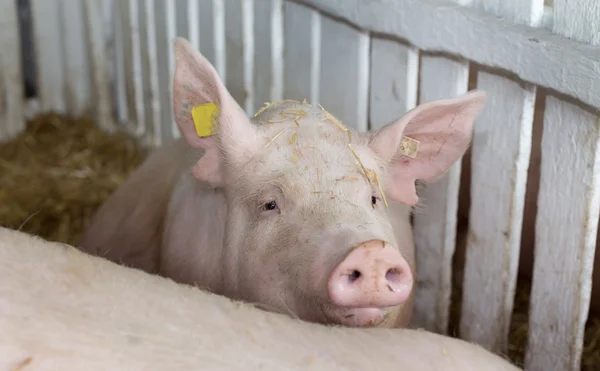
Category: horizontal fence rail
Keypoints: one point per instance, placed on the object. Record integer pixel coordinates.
(368, 62)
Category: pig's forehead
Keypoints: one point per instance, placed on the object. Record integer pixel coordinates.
(308, 124)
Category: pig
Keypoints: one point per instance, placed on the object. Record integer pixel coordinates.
(289, 209)
(62, 309)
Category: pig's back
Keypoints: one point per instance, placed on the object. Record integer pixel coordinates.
(127, 228)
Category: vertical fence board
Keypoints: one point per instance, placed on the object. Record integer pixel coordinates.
(567, 218)
(239, 47)
(566, 228)
(170, 34)
(344, 72)
(302, 40)
(119, 60)
(134, 79)
(151, 94)
(268, 32)
(394, 78)
(218, 34)
(503, 138)
(76, 67)
(11, 73)
(500, 160)
(48, 50)
(528, 12)
(577, 19)
(97, 16)
(193, 16)
(435, 225)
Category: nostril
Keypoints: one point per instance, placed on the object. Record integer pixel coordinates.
(354, 275)
(393, 275)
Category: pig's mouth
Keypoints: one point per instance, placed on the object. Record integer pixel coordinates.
(357, 317)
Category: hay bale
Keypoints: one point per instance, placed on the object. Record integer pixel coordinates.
(58, 172)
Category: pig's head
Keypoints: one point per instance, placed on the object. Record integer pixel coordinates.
(311, 204)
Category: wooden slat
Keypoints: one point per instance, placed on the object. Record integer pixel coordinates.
(76, 67)
(96, 18)
(165, 32)
(11, 74)
(238, 17)
(578, 19)
(192, 12)
(529, 12)
(133, 66)
(394, 79)
(499, 163)
(49, 57)
(120, 37)
(218, 37)
(153, 109)
(344, 72)
(483, 38)
(302, 57)
(170, 34)
(498, 197)
(566, 226)
(268, 35)
(435, 222)
(567, 214)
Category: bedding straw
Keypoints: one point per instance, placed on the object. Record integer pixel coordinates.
(56, 174)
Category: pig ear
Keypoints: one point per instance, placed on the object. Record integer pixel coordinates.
(195, 83)
(443, 129)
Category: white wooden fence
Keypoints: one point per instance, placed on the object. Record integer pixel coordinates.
(369, 62)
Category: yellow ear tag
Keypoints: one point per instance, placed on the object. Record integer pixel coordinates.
(204, 118)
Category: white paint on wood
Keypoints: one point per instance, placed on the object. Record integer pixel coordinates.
(498, 197)
(529, 12)
(268, 53)
(48, 49)
(152, 89)
(76, 67)
(277, 50)
(482, 38)
(11, 74)
(566, 225)
(567, 219)
(302, 40)
(547, 18)
(248, 52)
(500, 160)
(578, 19)
(394, 78)
(220, 50)
(119, 12)
(109, 29)
(134, 82)
(234, 45)
(193, 24)
(96, 16)
(344, 78)
(170, 33)
(435, 224)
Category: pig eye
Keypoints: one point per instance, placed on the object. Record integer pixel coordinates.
(373, 200)
(271, 205)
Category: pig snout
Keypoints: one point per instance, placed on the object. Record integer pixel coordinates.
(374, 274)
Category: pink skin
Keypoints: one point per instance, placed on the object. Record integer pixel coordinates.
(372, 277)
(276, 209)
